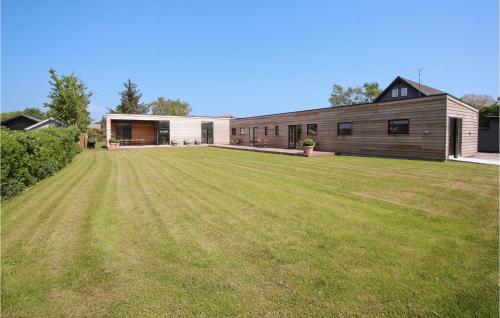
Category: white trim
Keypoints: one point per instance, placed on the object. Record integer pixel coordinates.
(34, 126)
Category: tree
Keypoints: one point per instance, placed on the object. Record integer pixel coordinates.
(478, 100)
(354, 95)
(371, 91)
(69, 100)
(176, 107)
(30, 111)
(131, 100)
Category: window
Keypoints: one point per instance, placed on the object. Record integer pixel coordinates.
(242, 131)
(395, 92)
(484, 123)
(404, 91)
(277, 130)
(266, 130)
(312, 129)
(399, 126)
(233, 131)
(344, 129)
(123, 131)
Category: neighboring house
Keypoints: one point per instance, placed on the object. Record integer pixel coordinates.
(19, 122)
(94, 126)
(408, 119)
(49, 122)
(131, 129)
(488, 134)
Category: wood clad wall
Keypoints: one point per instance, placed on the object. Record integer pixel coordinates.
(470, 122)
(140, 130)
(181, 128)
(186, 128)
(369, 128)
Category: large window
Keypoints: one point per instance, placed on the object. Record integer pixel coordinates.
(123, 131)
(312, 129)
(233, 131)
(344, 129)
(399, 126)
(277, 130)
(242, 131)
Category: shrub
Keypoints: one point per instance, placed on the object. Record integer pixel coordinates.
(308, 142)
(30, 156)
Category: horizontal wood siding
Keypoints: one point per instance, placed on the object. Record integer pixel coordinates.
(369, 128)
(470, 122)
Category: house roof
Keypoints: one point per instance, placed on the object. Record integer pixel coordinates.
(41, 123)
(20, 115)
(95, 126)
(423, 89)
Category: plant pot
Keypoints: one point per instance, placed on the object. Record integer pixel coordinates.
(308, 150)
(114, 145)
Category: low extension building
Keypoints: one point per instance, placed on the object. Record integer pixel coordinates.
(408, 119)
(140, 130)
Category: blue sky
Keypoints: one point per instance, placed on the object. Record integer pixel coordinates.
(244, 57)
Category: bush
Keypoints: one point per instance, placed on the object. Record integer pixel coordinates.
(308, 142)
(30, 156)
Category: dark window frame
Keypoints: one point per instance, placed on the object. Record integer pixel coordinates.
(276, 130)
(266, 130)
(242, 131)
(316, 130)
(398, 133)
(344, 134)
(233, 131)
(122, 130)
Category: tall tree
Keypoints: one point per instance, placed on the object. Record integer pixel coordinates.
(172, 107)
(478, 100)
(69, 100)
(354, 95)
(131, 100)
(30, 111)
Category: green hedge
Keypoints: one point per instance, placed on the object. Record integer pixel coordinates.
(30, 156)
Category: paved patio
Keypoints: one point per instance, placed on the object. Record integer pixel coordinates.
(280, 151)
(482, 158)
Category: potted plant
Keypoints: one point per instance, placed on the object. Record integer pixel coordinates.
(308, 146)
(113, 143)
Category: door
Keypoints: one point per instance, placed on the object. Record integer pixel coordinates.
(207, 133)
(292, 136)
(163, 137)
(455, 137)
(252, 136)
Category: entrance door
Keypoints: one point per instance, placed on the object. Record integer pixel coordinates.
(207, 133)
(292, 136)
(252, 136)
(455, 137)
(163, 133)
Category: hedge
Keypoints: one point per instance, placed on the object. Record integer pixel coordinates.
(30, 156)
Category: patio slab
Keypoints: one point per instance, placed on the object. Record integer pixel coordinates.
(280, 151)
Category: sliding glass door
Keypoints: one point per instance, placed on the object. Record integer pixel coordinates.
(163, 130)
(207, 132)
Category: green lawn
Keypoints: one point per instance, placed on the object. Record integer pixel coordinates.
(209, 232)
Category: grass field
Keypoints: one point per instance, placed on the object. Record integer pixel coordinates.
(206, 232)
